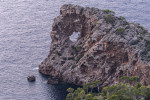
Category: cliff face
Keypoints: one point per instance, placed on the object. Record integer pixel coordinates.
(107, 48)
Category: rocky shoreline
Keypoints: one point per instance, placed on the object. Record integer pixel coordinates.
(107, 48)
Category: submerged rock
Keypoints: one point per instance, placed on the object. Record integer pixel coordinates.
(107, 48)
(31, 78)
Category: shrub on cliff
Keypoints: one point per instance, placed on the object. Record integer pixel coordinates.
(143, 30)
(107, 11)
(109, 19)
(57, 53)
(76, 49)
(79, 57)
(120, 31)
(53, 58)
(122, 18)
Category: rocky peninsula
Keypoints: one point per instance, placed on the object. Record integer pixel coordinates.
(107, 48)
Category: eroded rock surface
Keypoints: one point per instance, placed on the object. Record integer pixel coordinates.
(107, 48)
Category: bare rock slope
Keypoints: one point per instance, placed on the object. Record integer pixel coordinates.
(107, 48)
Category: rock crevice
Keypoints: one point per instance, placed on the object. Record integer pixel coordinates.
(107, 48)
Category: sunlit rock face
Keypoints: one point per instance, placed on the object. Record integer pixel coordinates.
(105, 48)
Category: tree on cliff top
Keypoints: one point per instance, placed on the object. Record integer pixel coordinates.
(121, 91)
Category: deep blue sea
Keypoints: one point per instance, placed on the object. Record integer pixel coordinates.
(25, 27)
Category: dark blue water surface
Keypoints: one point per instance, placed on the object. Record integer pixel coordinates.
(24, 42)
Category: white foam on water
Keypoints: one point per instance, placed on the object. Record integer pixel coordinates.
(36, 68)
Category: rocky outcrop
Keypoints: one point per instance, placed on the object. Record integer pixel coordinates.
(52, 81)
(107, 48)
(31, 78)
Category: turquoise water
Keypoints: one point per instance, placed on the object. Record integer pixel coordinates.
(24, 42)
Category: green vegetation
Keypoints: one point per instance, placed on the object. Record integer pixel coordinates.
(84, 93)
(107, 11)
(137, 24)
(135, 42)
(76, 49)
(73, 66)
(147, 49)
(120, 31)
(124, 22)
(79, 57)
(96, 27)
(70, 58)
(122, 18)
(131, 89)
(143, 30)
(147, 45)
(53, 58)
(57, 53)
(144, 53)
(141, 37)
(109, 19)
(130, 80)
(64, 58)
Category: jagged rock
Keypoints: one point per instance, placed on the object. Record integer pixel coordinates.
(52, 81)
(31, 78)
(107, 48)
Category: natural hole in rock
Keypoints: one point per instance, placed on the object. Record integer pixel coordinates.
(74, 36)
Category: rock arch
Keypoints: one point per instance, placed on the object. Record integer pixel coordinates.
(101, 52)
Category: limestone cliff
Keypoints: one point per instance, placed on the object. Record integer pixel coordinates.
(107, 48)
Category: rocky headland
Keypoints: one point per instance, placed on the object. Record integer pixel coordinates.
(107, 48)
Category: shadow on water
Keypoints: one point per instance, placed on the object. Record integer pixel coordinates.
(58, 89)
